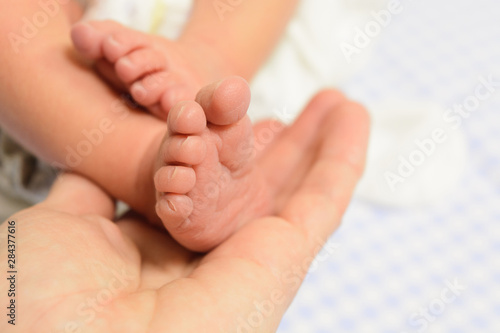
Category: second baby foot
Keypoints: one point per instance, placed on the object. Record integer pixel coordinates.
(157, 72)
(207, 184)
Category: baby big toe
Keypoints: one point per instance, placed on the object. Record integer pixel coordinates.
(148, 90)
(225, 102)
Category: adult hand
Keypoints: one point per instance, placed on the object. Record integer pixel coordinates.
(77, 271)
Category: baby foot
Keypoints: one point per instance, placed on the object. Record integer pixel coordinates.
(157, 72)
(207, 182)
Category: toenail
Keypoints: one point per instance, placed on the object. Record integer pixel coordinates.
(171, 206)
(172, 173)
(125, 61)
(191, 142)
(138, 91)
(85, 25)
(181, 111)
(185, 142)
(113, 41)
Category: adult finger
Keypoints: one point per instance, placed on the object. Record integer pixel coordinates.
(323, 196)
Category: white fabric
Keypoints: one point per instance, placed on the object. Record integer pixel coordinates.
(406, 167)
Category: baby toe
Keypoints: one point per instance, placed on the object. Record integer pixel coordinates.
(186, 118)
(225, 102)
(179, 149)
(175, 179)
(139, 63)
(149, 90)
(173, 210)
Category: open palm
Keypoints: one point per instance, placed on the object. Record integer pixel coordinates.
(80, 272)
